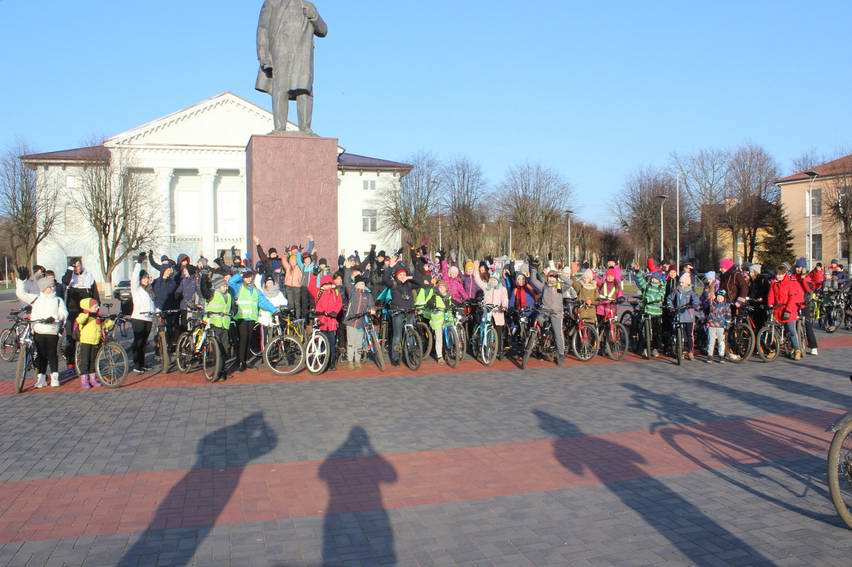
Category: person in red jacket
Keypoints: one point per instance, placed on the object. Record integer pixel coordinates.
(785, 295)
(329, 304)
(808, 288)
(818, 276)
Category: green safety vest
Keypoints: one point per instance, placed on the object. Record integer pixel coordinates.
(247, 308)
(221, 306)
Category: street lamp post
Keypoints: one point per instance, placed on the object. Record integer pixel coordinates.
(568, 213)
(677, 222)
(809, 241)
(510, 240)
(662, 199)
(440, 235)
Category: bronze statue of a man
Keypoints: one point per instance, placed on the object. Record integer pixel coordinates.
(285, 49)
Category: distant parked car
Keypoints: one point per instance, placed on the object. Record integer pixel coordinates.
(122, 291)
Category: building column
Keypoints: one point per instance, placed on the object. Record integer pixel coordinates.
(165, 176)
(248, 244)
(207, 210)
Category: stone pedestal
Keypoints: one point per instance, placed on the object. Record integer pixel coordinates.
(291, 192)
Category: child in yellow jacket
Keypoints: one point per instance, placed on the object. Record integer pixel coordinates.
(90, 327)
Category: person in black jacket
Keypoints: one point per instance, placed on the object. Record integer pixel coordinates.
(79, 284)
(166, 298)
(403, 287)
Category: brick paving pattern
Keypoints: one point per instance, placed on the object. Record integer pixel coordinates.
(636, 463)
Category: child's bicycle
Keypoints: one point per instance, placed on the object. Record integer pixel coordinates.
(28, 354)
(484, 341)
(613, 335)
(161, 345)
(774, 339)
(111, 361)
(582, 336)
(370, 345)
(200, 348)
(410, 345)
(10, 339)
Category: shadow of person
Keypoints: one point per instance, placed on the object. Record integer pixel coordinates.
(812, 390)
(356, 527)
(614, 465)
(200, 497)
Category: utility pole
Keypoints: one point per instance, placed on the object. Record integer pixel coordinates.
(662, 199)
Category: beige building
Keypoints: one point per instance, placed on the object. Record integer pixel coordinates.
(806, 197)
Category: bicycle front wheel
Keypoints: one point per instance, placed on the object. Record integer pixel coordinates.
(768, 344)
(165, 359)
(211, 359)
(285, 356)
(376, 349)
(317, 354)
(412, 350)
(425, 334)
(488, 349)
(112, 364)
(678, 346)
(741, 342)
(461, 334)
(25, 364)
(840, 472)
(617, 342)
(185, 352)
(452, 347)
(584, 342)
(529, 348)
(8, 345)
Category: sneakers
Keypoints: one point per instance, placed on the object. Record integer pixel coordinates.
(84, 382)
(357, 365)
(138, 371)
(690, 356)
(813, 352)
(733, 356)
(441, 361)
(351, 365)
(54, 380)
(655, 353)
(797, 355)
(41, 381)
(721, 360)
(560, 361)
(242, 367)
(93, 381)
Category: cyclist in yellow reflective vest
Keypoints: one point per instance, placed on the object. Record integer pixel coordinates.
(218, 314)
(250, 301)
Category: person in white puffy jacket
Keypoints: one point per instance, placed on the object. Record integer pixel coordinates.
(46, 305)
(275, 297)
(141, 318)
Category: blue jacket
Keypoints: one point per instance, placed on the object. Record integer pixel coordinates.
(684, 298)
(186, 291)
(165, 293)
(236, 284)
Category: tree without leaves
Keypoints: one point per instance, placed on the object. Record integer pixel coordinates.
(408, 210)
(751, 180)
(534, 198)
(463, 187)
(637, 209)
(838, 203)
(28, 204)
(120, 206)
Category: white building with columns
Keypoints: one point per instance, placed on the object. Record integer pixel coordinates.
(195, 160)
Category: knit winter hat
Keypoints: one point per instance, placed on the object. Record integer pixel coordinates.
(756, 268)
(469, 265)
(726, 264)
(46, 282)
(685, 280)
(89, 305)
(710, 276)
(326, 280)
(656, 276)
(801, 263)
(217, 281)
(400, 270)
(610, 272)
(453, 271)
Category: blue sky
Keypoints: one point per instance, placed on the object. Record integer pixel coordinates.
(595, 90)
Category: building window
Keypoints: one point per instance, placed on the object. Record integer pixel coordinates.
(369, 185)
(369, 218)
(816, 247)
(816, 202)
(844, 246)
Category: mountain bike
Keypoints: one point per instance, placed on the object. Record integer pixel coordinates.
(285, 354)
(832, 312)
(484, 341)
(199, 347)
(453, 346)
(10, 339)
(410, 346)
(541, 341)
(185, 345)
(840, 468)
(774, 339)
(678, 334)
(161, 344)
(28, 354)
(370, 345)
(742, 333)
(111, 362)
(613, 335)
(463, 314)
(582, 336)
(425, 332)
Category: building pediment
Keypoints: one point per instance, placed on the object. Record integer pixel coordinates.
(222, 121)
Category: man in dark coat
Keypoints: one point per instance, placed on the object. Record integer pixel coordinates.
(285, 50)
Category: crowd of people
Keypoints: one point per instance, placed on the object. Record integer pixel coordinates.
(238, 293)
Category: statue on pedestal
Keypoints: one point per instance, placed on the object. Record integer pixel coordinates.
(285, 50)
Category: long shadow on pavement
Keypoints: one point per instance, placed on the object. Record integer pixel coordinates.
(802, 388)
(255, 439)
(602, 458)
(756, 448)
(356, 526)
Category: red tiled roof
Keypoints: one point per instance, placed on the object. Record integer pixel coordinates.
(91, 153)
(840, 166)
(354, 161)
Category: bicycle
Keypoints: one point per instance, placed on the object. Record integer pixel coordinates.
(285, 354)
(111, 361)
(832, 313)
(582, 336)
(453, 346)
(742, 333)
(678, 334)
(370, 345)
(10, 339)
(317, 348)
(540, 340)
(28, 354)
(199, 346)
(840, 468)
(773, 339)
(161, 346)
(613, 334)
(484, 341)
(410, 345)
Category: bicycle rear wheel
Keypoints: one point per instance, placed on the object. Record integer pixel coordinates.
(185, 353)
(25, 364)
(412, 350)
(111, 362)
(741, 341)
(529, 348)
(461, 333)
(452, 347)
(584, 342)
(257, 336)
(211, 359)
(165, 358)
(285, 356)
(678, 346)
(8, 345)
(648, 351)
(425, 333)
(376, 349)
(840, 473)
(488, 349)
